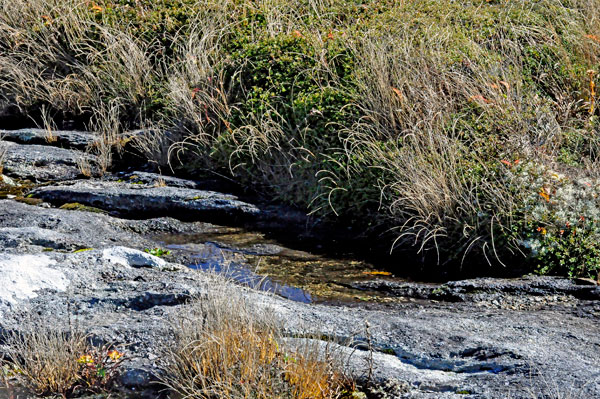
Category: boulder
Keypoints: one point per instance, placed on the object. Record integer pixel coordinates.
(131, 257)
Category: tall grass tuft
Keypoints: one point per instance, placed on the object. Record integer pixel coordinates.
(225, 347)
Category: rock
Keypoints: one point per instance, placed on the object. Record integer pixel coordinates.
(157, 180)
(136, 378)
(22, 275)
(56, 138)
(24, 237)
(7, 181)
(131, 257)
(31, 228)
(420, 349)
(137, 200)
(483, 288)
(42, 163)
(424, 350)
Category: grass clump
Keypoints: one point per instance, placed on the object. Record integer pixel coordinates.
(226, 348)
(48, 361)
(395, 117)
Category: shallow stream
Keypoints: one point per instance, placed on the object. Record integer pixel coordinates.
(251, 258)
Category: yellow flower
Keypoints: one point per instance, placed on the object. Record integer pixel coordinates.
(85, 359)
(115, 355)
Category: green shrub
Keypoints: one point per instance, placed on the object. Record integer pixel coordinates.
(391, 116)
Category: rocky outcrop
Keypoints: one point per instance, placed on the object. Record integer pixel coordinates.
(41, 163)
(421, 349)
(479, 338)
(485, 289)
(142, 200)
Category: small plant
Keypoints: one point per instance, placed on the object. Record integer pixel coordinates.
(157, 251)
(99, 367)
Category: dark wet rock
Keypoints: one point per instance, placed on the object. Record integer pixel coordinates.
(586, 281)
(55, 138)
(135, 378)
(139, 200)
(42, 163)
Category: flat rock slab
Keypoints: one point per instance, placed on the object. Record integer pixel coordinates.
(56, 138)
(472, 290)
(43, 163)
(137, 201)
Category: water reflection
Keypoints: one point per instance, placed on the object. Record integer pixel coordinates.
(252, 259)
(213, 258)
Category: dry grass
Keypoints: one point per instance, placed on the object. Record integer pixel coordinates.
(227, 348)
(415, 102)
(44, 360)
(437, 94)
(57, 54)
(2, 155)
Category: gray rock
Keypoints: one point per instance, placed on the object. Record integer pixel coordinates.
(31, 229)
(56, 138)
(131, 257)
(25, 237)
(483, 288)
(155, 179)
(140, 200)
(421, 349)
(42, 163)
(28, 228)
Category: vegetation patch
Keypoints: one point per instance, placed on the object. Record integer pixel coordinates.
(404, 119)
(225, 347)
(76, 206)
(47, 361)
(157, 251)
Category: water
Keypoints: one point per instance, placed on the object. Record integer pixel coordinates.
(250, 258)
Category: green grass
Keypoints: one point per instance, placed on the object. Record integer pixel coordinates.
(391, 116)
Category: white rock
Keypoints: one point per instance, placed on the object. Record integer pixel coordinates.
(7, 180)
(131, 257)
(22, 275)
